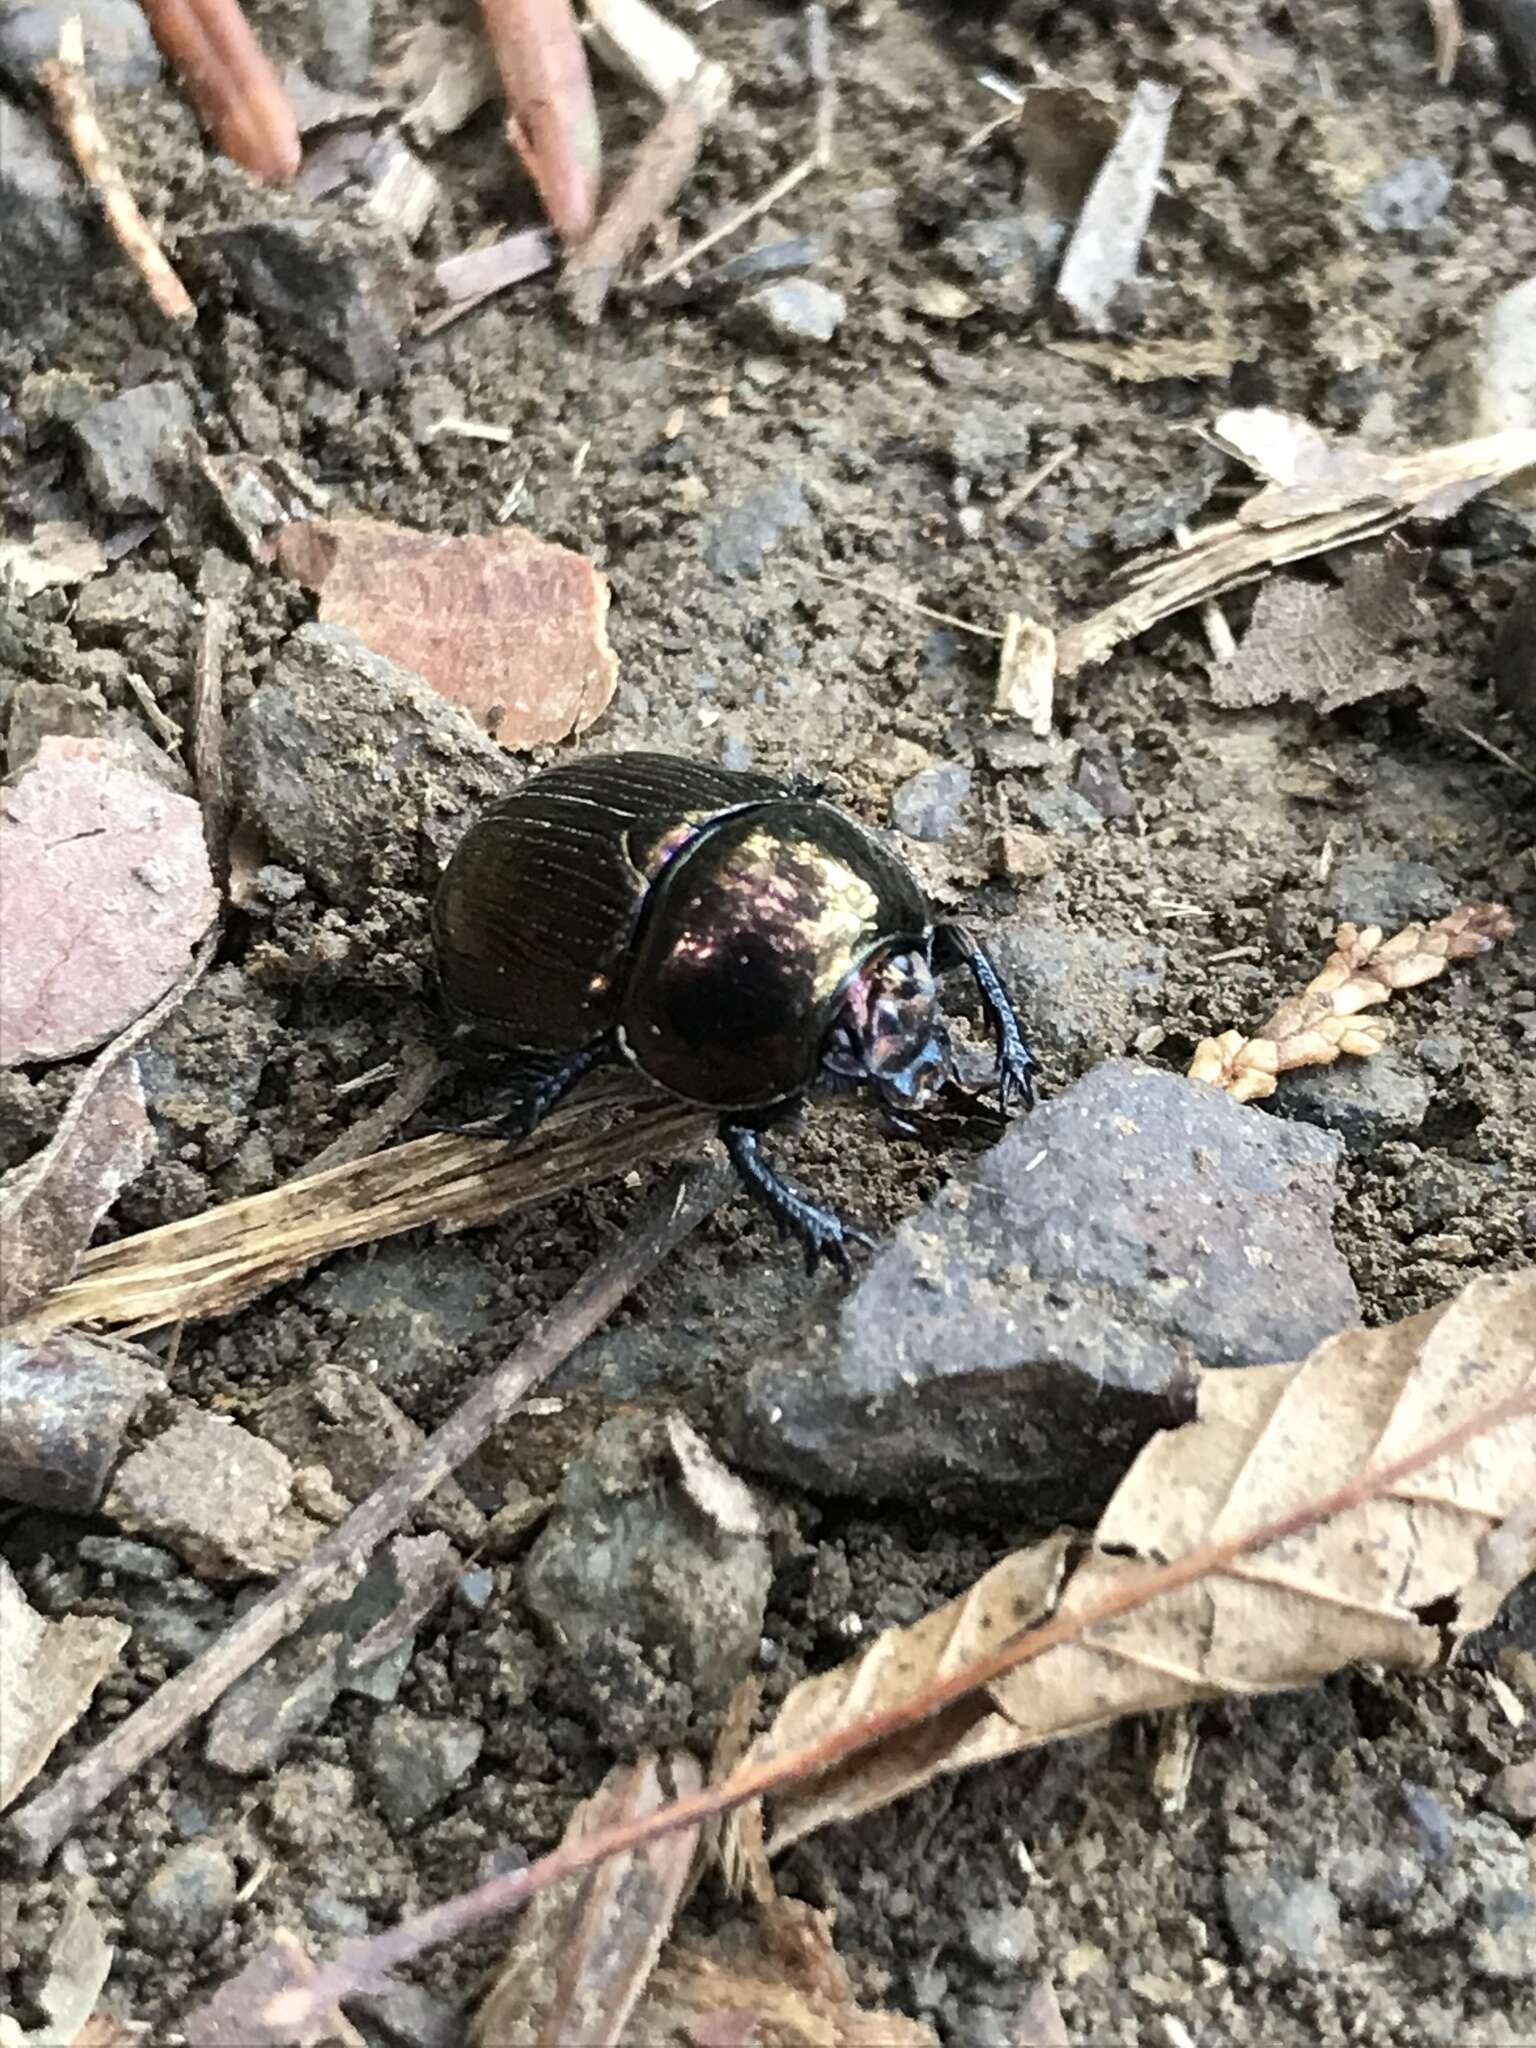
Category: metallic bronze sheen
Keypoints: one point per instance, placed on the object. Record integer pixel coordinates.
(748, 940)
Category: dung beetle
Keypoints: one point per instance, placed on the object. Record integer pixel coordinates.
(738, 941)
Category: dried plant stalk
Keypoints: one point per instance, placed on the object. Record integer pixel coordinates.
(74, 108)
(1312, 1029)
(230, 80)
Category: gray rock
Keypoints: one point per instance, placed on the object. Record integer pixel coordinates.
(1512, 661)
(1003, 1938)
(124, 442)
(652, 1576)
(38, 711)
(791, 314)
(1080, 994)
(928, 804)
(1408, 198)
(339, 297)
(69, 1401)
(333, 1915)
(1377, 1884)
(1365, 1101)
(201, 1069)
(343, 48)
(354, 771)
(741, 535)
(129, 1560)
(1066, 813)
(408, 2017)
(131, 603)
(1373, 888)
(416, 1761)
(52, 233)
(119, 49)
(1504, 1935)
(185, 1902)
(766, 259)
(1023, 1335)
(357, 1644)
(1000, 260)
(1443, 1054)
(1098, 781)
(1284, 1920)
(1513, 1791)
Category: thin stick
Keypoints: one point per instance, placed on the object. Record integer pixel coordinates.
(1218, 634)
(1498, 753)
(819, 64)
(368, 1961)
(231, 81)
(377, 1125)
(656, 176)
(906, 604)
(687, 1198)
(220, 579)
(74, 108)
(1036, 479)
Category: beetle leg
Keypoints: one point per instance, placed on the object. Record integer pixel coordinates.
(534, 1083)
(823, 1234)
(952, 946)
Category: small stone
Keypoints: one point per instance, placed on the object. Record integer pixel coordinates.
(1002, 1938)
(338, 296)
(1443, 1056)
(409, 2017)
(1099, 782)
(1377, 1884)
(927, 806)
(1283, 1919)
(651, 1575)
(185, 1902)
(1504, 1935)
(791, 314)
(474, 1588)
(132, 603)
(742, 534)
(69, 1400)
(416, 1761)
(120, 52)
(1513, 1791)
(1373, 888)
(128, 1560)
(332, 1915)
(124, 442)
(1408, 198)
(1019, 854)
(1367, 1101)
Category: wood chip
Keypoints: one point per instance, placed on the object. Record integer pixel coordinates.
(47, 1676)
(1026, 674)
(1105, 248)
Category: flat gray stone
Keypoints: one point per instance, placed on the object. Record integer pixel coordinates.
(125, 441)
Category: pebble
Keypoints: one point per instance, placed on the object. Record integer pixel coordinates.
(744, 532)
(1513, 1791)
(793, 313)
(416, 1761)
(1003, 1938)
(1374, 888)
(185, 1902)
(1366, 1101)
(1408, 198)
(1282, 1919)
(124, 442)
(132, 604)
(127, 1559)
(1006, 1346)
(1019, 854)
(1504, 1935)
(333, 1915)
(927, 806)
(120, 52)
(1443, 1056)
(651, 1576)
(338, 297)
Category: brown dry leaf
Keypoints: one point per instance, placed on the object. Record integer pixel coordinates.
(50, 1205)
(1364, 968)
(47, 1676)
(507, 625)
(105, 890)
(1330, 647)
(584, 1950)
(1386, 1583)
(233, 2017)
(1359, 495)
(784, 1987)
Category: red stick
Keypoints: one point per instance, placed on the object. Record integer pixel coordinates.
(230, 80)
(551, 118)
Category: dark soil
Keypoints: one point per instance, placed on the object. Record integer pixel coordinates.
(906, 437)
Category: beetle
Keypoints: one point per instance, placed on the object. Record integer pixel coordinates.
(737, 940)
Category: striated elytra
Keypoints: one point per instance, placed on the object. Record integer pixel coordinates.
(737, 942)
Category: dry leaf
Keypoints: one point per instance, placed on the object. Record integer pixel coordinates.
(105, 889)
(1388, 1582)
(784, 1987)
(1106, 241)
(584, 1950)
(1328, 646)
(1314, 1028)
(1284, 449)
(50, 1205)
(1025, 687)
(507, 625)
(47, 1676)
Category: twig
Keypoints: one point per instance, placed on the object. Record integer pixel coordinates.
(1036, 480)
(74, 108)
(231, 82)
(1218, 634)
(819, 158)
(474, 275)
(1445, 23)
(220, 580)
(225, 1257)
(384, 1119)
(368, 1961)
(551, 115)
(1498, 753)
(656, 176)
(906, 604)
(686, 1200)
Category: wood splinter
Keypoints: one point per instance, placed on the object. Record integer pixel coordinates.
(74, 106)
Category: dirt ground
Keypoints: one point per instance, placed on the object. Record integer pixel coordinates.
(892, 451)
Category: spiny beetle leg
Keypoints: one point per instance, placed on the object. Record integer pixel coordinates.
(824, 1235)
(533, 1084)
(1016, 1064)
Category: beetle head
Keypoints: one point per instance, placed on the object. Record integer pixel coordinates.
(889, 1031)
